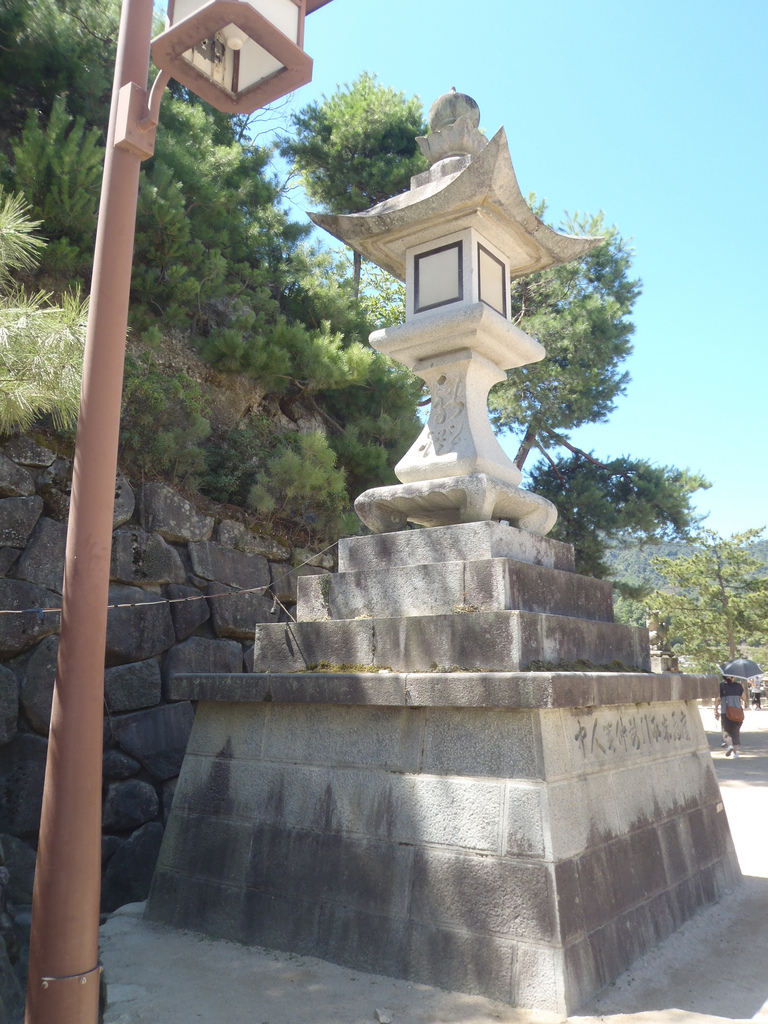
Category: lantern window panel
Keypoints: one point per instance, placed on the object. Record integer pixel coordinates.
(491, 280)
(438, 277)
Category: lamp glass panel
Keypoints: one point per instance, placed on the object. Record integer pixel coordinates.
(283, 14)
(255, 64)
(438, 277)
(183, 8)
(492, 281)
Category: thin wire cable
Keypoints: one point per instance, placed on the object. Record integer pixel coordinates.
(180, 600)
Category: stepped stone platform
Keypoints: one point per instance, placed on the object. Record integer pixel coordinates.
(522, 834)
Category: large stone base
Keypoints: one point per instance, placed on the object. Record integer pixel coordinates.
(521, 835)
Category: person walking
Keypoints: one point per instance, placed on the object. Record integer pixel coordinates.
(729, 709)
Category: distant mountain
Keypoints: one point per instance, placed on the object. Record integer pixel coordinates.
(632, 564)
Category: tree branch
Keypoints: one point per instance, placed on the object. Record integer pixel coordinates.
(552, 463)
(578, 451)
(525, 446)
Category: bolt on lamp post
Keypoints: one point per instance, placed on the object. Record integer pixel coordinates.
(238, 56)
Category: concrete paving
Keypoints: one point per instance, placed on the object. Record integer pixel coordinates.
(708, 973)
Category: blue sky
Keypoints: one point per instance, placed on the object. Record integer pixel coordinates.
(655, 113)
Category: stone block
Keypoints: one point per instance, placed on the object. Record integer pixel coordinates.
(237, 535)
(26, 452)
(467, 542)
(225, 565)
(693, 788)
(162, 510)
(285, 583)
(319, 559)
(478, 742)
(36, 696)
(483, 895)
(134, 686)
(199, 656)
(294, 647)
(189, 614)
(125, 502)
(19, 859)
(366, 688)
(220, 852)
(538, 978)
(555, 745)
(54, 485)
(527, 822)
(129, 804)
(166, 799)
(356, 938)
(452, 959)
(457, 813)
(387, 737)
(221, 907)
(140, 631)
(15, 482)
(18, 517)
(227, 731)
(157, 737)
(569, 900)
(448, 587)
(623, 735)
(234, 613)
(281, 922)
(109, 844)
(582, 814)
(7, 557)
(128, 876)
(22, 772)
(479, 641)
(117, 765)
(9, 704)
(144, 558)
(43, 560)
(360, 873)
(21, 631)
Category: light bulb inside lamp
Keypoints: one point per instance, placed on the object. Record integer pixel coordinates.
(233, 37)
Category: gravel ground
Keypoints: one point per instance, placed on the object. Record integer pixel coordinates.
(710, 972)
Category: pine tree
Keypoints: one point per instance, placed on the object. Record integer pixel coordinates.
(41, 344)
(357, 148)
(717, 598)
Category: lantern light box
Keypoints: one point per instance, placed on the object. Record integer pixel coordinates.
(464, 267)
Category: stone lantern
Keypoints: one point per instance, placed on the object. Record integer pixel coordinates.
(458, 238)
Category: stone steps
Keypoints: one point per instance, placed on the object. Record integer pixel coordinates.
(496, 584)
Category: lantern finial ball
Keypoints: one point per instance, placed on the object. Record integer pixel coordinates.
(450, 107)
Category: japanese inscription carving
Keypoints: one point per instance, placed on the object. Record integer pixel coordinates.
(612, 733)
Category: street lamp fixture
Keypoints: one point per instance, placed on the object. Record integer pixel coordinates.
(235, 54)
(238, 56)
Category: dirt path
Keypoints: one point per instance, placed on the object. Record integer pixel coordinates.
(710, 972)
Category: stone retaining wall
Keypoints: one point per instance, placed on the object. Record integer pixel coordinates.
(162, 548)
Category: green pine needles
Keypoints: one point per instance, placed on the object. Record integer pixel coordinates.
(41, 344)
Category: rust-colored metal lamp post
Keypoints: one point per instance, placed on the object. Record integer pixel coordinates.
(238, 56)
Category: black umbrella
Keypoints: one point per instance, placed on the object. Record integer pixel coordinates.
(741, 668)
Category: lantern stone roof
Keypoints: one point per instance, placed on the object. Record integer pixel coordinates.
(472, 183)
